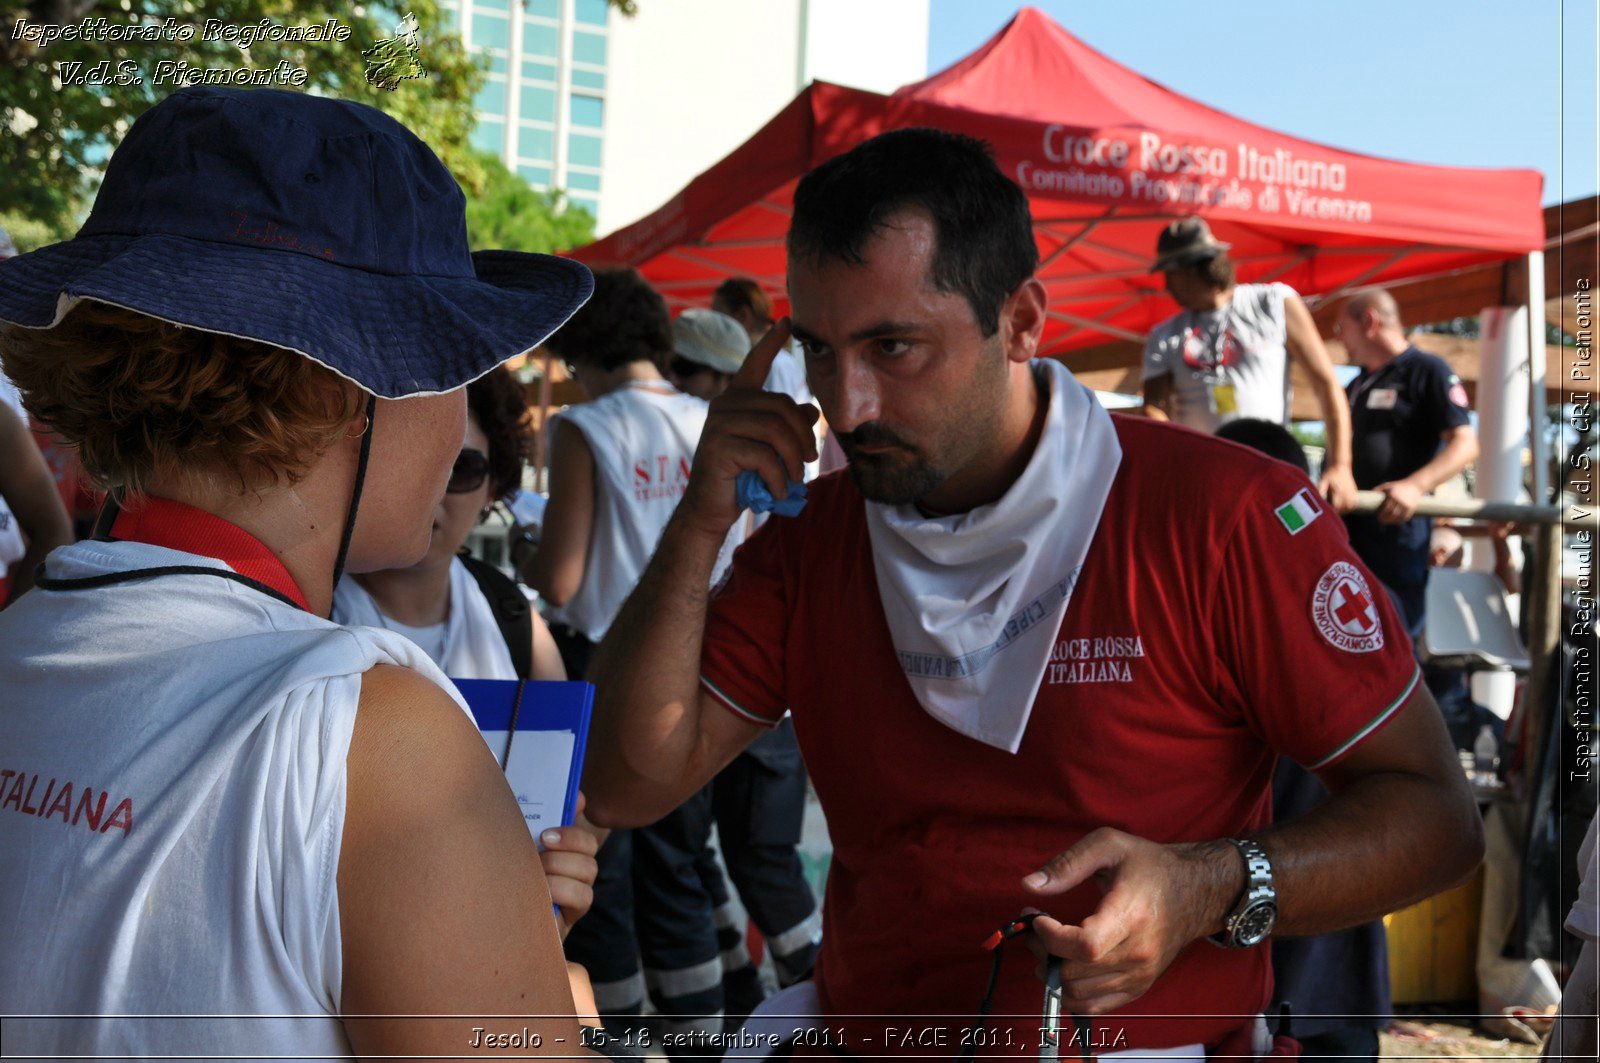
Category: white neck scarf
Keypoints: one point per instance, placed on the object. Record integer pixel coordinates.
(974, 601)
(473, 645)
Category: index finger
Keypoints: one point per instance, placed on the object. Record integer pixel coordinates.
(758, 363)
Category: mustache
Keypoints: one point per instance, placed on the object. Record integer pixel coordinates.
(872, 434)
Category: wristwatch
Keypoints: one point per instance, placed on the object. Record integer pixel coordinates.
(1256, 913)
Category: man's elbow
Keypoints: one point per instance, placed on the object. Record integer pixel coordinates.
(1463, 842)
(617, 809)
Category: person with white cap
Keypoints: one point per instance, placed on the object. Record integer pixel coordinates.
(707, 349)
(266, 833)
(1226, 353)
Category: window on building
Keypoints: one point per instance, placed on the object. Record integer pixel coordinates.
(590, 205)
(588, 79)
(497, 64)
(491, 98)
(490, 31)
(489, 135)
(588, 111)
(539, 72)
(592, 11)
(540, 39)
(589, 48)
(535, 175)
(538, 103)
(583, 181)
(583, 151)
(537, 144)
(491, 5)
(550, 9)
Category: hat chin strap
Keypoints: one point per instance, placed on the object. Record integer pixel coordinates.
(355, 496)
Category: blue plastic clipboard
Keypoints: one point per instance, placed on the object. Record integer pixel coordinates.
(546, 706)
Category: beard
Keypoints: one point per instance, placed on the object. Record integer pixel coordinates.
(896, 477)
(904, 473)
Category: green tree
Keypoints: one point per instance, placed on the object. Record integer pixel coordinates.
(1310, 433)
(54, 138)
(509, 214)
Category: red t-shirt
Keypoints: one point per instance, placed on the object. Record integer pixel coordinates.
(1220, 618)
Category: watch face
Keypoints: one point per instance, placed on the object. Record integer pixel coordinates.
(1255, 923)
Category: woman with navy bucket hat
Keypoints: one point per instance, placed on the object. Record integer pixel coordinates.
(230, 827)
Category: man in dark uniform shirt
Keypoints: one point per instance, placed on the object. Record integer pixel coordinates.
(1411, 432)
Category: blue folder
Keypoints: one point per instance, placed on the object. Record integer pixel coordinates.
(545, 706)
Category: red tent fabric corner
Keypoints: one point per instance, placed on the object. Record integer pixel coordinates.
(1107, 157)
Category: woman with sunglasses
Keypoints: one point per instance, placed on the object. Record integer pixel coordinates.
(437, 602)
(439, 606)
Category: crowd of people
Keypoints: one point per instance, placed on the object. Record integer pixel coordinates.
(1040, 684)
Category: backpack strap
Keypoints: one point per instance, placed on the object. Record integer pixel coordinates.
(511, 611)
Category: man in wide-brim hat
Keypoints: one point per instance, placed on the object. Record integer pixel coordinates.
(1226, 353)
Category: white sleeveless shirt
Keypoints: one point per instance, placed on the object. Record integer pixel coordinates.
(643, 437)
(473, 646)
(172, 802)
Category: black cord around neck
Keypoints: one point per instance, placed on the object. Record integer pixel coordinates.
(355, 499)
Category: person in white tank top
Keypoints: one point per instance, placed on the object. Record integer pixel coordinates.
(268, 835)
(438, 605)
(618, 463)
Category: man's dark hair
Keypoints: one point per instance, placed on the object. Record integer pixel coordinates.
(743, 293)
(1271, 439)
(500, 407)
(1216, 270)
(984, 234)
(625, 321)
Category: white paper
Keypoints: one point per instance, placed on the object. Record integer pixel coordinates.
(538, 769)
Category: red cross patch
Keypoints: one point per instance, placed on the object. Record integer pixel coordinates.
(1344, 611)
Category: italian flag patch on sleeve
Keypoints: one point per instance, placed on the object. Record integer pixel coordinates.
(1297, 514)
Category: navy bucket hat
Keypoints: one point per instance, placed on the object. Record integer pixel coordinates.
(318, 225)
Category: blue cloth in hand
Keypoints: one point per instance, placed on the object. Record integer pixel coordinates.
(752, 494)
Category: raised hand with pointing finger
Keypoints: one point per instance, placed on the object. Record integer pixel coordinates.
(764, 432)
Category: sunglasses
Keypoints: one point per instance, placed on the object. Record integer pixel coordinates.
(469, 472)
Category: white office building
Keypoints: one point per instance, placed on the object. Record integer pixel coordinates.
(623, 112)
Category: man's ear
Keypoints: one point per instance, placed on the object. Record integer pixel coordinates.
(1022, 319)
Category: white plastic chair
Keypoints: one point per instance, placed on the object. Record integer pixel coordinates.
(1469, 623)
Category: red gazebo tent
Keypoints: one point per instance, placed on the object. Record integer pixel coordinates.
(1106, 157)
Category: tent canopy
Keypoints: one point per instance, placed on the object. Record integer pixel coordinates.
(1107, 157)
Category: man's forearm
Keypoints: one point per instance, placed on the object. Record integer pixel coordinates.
(1457, 454)
(1358, 856)
(645, 738)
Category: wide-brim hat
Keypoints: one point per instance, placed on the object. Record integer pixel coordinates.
(317, 225)
(1185, 242)
(710, 338)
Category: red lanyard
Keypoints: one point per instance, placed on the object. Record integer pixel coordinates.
(177, 526)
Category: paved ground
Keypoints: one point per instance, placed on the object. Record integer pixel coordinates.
(1433, 1036)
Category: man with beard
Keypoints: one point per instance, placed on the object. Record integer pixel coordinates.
(1027, 666)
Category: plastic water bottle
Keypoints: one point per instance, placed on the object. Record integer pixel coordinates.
(1485, 753)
